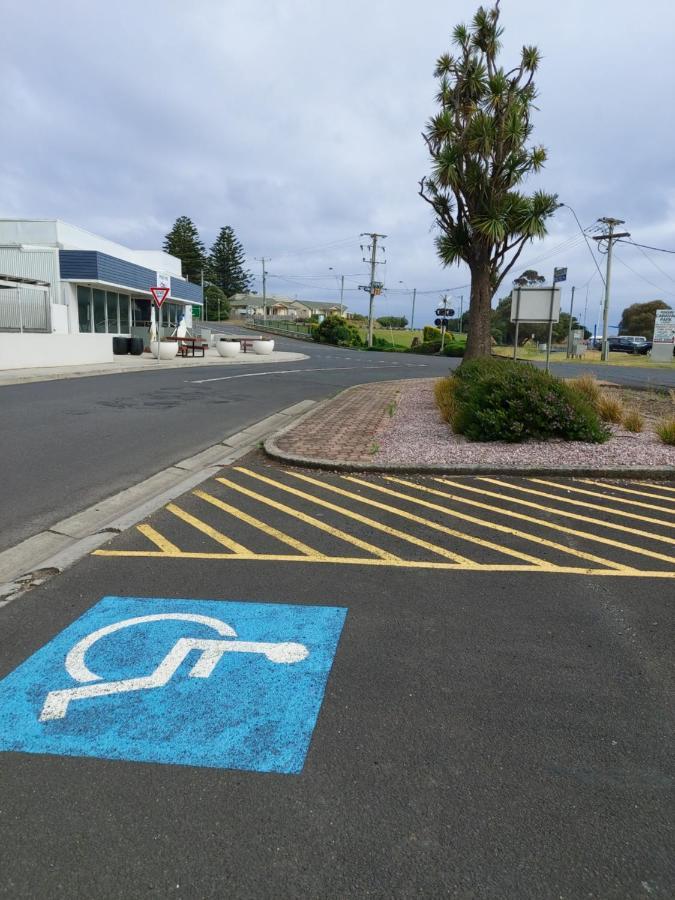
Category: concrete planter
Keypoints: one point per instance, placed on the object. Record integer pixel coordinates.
(228, 349)
(263, 348)
(167, 349)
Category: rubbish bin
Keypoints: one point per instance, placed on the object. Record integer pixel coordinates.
(121, 346)
(135, 346)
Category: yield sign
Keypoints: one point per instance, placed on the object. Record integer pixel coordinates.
(159, 294)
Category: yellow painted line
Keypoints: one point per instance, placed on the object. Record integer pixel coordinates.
(599, 496)
(310, 520)
(535, 538)
(217, 536)
(507, 551)
(378, 526)
(393, 563)
(568, 515)
(157, 539)
(564, 528)
(658, 487)
(615, 487)
(257, 523)
(583, 503)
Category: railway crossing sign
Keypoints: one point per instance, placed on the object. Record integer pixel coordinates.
(188, 682)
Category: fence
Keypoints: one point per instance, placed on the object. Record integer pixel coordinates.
(24, 309)
(280, 326)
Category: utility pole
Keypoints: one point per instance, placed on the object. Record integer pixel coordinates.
(374, 287)
(205, 302)
(412, 314)
(610, 237)
(342, 293)
(569, 327)
(262, 260)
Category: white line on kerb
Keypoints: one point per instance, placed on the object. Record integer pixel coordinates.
(318, 369)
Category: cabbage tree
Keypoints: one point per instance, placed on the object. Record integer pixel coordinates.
(480, 153)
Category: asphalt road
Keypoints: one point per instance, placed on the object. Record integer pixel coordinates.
(485, 732)
(67, 444)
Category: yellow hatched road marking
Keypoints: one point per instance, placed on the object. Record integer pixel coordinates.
(658, 487)
(406, 515)
(310, 520)
(571, 551)
(597, 496)
(157, 539)
(564, 528)
(395, 563)
(564, 514)
(257, 523)
(386, 529)
(615, 487)
(207, 529)
(582, 503)
(525, 535)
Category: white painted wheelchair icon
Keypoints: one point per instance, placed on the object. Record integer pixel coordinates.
(211, 652)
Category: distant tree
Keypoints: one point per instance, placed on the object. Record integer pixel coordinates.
(393, 321)
(529, 278)
(217, 303)
(478, 144)
(227, 262)
(639, 318)
(184, 242)
(337, 330)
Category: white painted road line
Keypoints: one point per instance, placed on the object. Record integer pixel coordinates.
(318, 369)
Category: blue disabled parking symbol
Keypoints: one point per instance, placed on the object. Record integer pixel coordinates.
(189, 682)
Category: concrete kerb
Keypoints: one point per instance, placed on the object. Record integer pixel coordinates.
(50, 552)
(308, 462)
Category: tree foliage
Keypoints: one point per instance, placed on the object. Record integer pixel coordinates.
(478, 145)
(217, 303)
(227, 264)
(337, 330)
(639, 318)
(184, 242)
(393, 321)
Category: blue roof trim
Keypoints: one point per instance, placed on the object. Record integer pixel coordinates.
(90, 265)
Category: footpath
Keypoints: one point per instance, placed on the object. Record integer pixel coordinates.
(144, 363)
(395, 426)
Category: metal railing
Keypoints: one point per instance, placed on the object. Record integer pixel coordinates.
(24, 309)
(281, 326)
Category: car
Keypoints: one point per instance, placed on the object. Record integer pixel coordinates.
(623, 343)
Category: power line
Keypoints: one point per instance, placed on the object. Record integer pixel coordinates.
(650, 260)
(647, 247)
(658, 288)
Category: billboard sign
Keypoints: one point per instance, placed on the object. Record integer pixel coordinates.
(535, 305)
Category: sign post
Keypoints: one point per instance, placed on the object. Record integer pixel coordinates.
(159, 295)
(558, 275)
(445, 315)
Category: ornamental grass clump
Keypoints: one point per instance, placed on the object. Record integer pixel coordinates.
(610, 409)
(666, 431)
(444, 394)
(633, 421)
(501, 400)
(588, 386)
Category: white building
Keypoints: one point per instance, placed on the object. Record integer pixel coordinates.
(65, 292)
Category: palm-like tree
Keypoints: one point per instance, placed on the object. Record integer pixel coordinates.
(478, 143)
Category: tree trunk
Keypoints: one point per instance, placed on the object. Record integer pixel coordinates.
(479, 340)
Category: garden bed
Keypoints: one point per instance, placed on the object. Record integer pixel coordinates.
(417, 436)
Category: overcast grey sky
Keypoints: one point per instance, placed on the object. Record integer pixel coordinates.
(298, 123)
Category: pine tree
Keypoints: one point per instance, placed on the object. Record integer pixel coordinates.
(227, 264)
(184, 242)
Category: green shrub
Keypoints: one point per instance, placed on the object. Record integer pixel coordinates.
(426, 347)
(429, 333)
(501, 400)
(666, 431)
(336, 330)
(454, 348)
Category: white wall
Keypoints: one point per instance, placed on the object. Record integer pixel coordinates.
(27, 351)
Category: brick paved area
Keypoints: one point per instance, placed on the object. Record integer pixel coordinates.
(347, 427)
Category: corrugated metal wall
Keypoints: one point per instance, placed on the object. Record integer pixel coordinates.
(27, 307)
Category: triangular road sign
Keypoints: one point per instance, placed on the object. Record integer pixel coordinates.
(159, 294)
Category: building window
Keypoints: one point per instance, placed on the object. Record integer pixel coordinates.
(141, 313)
(111, 313)
(124, 314)
(99, 311)
(84, 308)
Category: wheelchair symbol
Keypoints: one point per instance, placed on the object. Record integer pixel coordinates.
(211, 652)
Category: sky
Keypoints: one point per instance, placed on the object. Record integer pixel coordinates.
(299, 124)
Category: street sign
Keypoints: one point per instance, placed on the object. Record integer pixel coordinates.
(559, 275)
(184, 682)
(159, 295)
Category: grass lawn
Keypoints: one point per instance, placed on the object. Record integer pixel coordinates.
(591, 356)
(402, 336)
